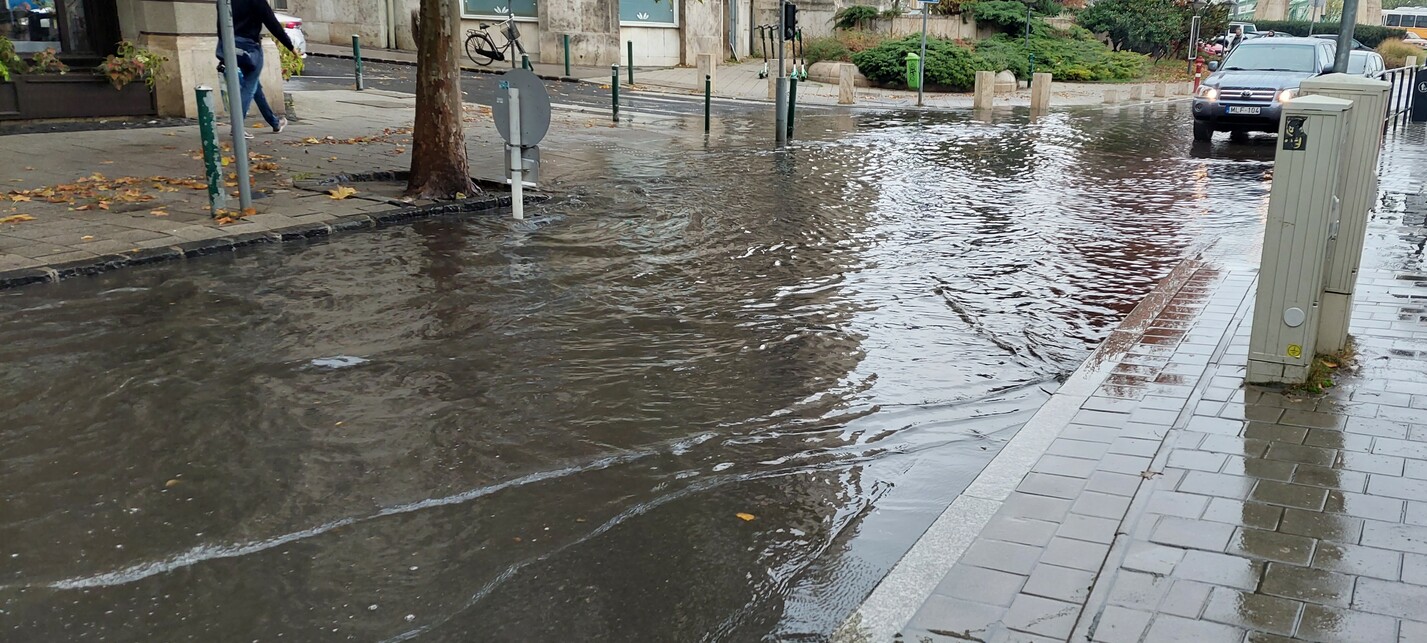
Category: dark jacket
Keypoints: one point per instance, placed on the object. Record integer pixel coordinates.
(249, 18)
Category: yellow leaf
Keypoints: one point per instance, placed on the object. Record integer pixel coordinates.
(87, 237)
(158, 213)
(311, 141)
(744, 516)
(106, 162)
(17, 198)
(341, 193)
(225, 161)
(17, 218)
(460, 195)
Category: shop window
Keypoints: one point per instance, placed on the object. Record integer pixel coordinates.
(658, 13)
(71, 27)
(500, 9)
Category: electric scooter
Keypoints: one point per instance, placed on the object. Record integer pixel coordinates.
(763, 45)
(800, 51)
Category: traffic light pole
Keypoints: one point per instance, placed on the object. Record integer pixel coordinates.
(780, 88)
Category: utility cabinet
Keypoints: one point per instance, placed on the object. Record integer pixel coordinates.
(1302, 219)
(1357, 191)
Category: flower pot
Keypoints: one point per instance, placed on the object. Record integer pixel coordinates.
(73, 95)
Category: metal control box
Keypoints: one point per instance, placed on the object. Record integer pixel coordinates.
(1357, 191)
(1302, 218)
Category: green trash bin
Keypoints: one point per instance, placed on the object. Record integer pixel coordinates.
(914, 76)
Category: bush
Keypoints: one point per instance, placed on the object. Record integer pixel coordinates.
(817, 50)
(947, 64)
(1370, 35)
(1006, 15)
(854, 17)
(1395, 52)
(1072, 55)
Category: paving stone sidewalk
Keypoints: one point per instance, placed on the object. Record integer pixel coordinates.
(1174, 503)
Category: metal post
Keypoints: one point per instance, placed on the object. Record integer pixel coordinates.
(212, 155)
(708, 91)
(614, 90)
(1029, 54)
(780, 92)
(792, 104)
(567, 55)
(1345, 36)
(235, 102)
(357, 61)
(525, 62)
(631, 62)
(1193, 41)
(517, 180)
(921, 62)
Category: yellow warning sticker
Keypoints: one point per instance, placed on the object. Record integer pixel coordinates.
(1295, 351)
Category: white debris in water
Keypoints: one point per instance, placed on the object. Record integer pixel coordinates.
(410, 618)
(723, 466)
(340, 361)
(372, 607)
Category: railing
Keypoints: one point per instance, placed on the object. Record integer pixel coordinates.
(1399, 99)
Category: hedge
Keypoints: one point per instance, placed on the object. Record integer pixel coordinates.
(947, 63)
(1069, 55)
(1370, 35)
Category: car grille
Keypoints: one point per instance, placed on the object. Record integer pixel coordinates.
(1247, 94)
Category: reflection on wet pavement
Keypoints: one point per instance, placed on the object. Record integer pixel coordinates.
(547, 430)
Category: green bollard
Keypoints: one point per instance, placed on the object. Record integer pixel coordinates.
(212, 157)
(614, 89)
(357, 58)
(631, 62)
(792, 104)
(567, 55)
(708, 91)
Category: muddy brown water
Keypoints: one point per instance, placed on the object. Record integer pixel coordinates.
(481, 430)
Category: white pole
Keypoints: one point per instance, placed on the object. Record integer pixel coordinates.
(235, 102)
(517, 181)
(922, 62)
(780, 86)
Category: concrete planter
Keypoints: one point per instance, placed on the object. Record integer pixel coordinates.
(73, 95)
(826, 72)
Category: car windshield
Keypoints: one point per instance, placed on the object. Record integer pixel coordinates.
(1267, 57)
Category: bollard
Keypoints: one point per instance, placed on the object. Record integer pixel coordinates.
(1040, 92)
(846, 84)
(614, 90)
(208, 140)
(357, 61)
(1301, 223)
(772, 86)
(1113, 96)
(631, 62)
(792, 103)
(985, 87)
(567, 55)
(708, 93)
(1136, 92)
(1161, 90)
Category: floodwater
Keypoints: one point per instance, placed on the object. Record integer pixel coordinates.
(706, 393)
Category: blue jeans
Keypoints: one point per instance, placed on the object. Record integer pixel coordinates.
(249, 78)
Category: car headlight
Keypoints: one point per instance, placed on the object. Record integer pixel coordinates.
(1207, 93)
(1287, 95)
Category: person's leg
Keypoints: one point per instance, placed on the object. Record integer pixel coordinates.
(251, 79)
(265, 109)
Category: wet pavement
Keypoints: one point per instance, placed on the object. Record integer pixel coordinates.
(1176, 504)
(550, 429)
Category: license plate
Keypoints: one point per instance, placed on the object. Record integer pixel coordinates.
(1244, 110)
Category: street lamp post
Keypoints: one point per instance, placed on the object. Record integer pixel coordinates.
(1198, 7)
(1031, 54)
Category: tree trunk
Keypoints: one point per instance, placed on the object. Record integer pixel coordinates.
(438, 143)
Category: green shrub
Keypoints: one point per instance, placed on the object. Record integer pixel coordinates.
(1071, 55)
(1006, 15)
(854, 17)
(1370, 35)
(1395, 52)
(817, 50)
(947, 64)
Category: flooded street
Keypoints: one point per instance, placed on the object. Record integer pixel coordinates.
(705, 393)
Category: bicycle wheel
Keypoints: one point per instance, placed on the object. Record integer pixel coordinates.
(480, 49)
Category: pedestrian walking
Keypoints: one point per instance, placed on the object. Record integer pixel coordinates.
(249, 18)
(1236, 36)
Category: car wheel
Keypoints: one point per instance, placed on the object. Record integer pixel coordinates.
(1203, 132)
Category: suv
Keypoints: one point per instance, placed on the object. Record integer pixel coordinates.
(1247, 92)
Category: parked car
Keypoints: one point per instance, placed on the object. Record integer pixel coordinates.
(1357, 46)
(1415, 42)
(1366, 63)
(1246, 92)
(293, 26)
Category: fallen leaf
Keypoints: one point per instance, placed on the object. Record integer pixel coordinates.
(1330, 363)
(106, 162)
(17, 218)
(460, 195)
(311, 141)
(171, 484)
(87, 237)
(341, 192)
(744, 516)
(247, 212)
(17, 198)
(158, 213)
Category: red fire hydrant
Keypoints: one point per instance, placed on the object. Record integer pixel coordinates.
(1198, 72)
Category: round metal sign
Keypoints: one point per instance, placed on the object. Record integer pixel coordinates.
(534, 106)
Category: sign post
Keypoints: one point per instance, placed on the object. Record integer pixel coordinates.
(212, 154)
(522, 117)
(235, 102)
(922, 62)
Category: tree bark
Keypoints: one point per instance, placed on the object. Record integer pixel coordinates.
(438, 142)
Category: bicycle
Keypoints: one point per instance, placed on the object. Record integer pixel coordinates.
(484, 56)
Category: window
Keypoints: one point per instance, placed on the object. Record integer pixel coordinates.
(658, 13)
(499, 8)
(1393, 20)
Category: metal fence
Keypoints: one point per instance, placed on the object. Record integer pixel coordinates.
(1399, 100)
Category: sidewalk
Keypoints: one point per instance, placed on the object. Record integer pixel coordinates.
(741, 81)
(1157, 498)
(401, 57)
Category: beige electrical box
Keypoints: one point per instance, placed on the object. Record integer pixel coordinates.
(1357, 188)
(1302, 219)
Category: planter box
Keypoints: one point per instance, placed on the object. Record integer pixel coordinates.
(72, 95)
